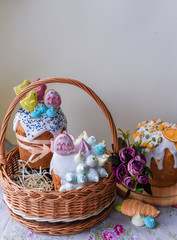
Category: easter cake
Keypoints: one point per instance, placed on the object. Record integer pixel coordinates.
(77, 163)
(39, 120)
(161, 141)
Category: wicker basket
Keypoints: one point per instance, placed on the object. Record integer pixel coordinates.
(53, 212)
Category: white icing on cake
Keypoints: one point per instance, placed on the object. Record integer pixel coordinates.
(149, 131)
(34, 127)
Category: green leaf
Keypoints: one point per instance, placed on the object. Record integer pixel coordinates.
(118, 207)
(125, 135)
(139, 190)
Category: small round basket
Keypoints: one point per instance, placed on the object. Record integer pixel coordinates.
(53, 212)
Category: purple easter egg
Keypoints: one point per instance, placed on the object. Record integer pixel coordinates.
(52, 99)
(63, 145)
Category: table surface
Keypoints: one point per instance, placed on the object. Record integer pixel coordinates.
(116, 226)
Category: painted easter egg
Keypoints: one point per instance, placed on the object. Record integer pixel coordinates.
(149, 222)
(63, 145)
(52, 99)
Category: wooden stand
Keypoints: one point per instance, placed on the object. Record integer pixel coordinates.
(161, 196)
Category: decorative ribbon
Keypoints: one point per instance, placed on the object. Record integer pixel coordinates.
(35, 149)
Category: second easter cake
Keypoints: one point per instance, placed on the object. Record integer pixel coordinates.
(161, 140)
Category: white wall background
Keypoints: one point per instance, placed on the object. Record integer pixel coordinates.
(125, 50)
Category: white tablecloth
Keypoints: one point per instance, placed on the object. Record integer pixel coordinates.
(116, 226)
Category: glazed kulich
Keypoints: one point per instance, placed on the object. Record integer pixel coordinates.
(161, 140)
(34, 133)
(77, 163)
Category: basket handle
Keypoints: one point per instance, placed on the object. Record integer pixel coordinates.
(54, 80)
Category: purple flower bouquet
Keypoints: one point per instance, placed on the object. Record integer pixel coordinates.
(129, 165)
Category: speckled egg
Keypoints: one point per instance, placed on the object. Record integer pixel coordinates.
(63, 145)
(149, 222)
(52, 99)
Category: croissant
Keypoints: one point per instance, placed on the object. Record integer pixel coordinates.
(130, 207)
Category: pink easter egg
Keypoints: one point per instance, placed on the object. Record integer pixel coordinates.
(63, 145)
(52, 99)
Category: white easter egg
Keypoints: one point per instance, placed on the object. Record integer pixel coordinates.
(52, 99)
(63, 145)
(91, 161)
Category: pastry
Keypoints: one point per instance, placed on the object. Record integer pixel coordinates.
(75, 163)
(161, 152)
(36, 123)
